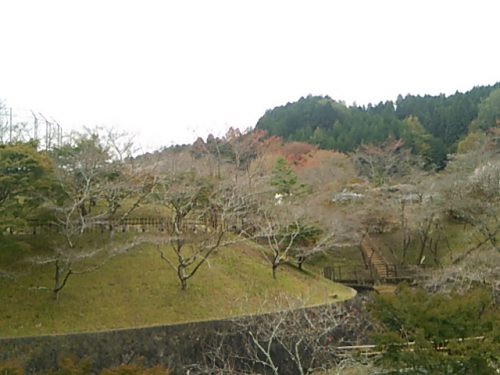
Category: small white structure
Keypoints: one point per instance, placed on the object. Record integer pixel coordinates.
(278, 199)
(347, 196)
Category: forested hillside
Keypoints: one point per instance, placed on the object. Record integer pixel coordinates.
(93, 237)
(430, 125)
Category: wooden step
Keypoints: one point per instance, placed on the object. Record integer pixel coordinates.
(376, 261)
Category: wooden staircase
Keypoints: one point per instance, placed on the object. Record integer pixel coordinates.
(375, 270)
(379, 267)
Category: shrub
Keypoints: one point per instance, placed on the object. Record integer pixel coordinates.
(135, 370)
(73, 366)
(11, 367)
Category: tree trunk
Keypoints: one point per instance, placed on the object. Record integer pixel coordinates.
(275, 267)
(111, 228)
(184, 284)
(181, 273)
(422, 250)
(59, 280)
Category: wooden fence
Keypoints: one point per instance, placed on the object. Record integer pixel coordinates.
(374, 350)
(366, 276)
(134, 224)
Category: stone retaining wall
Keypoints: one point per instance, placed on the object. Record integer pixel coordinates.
(173, 346)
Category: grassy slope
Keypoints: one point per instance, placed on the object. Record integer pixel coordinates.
(138, 289)
(458, 239)
(347, 257)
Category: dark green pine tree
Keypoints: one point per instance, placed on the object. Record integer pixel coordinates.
(283, 177)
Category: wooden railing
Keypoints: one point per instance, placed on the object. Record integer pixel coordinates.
(366, 276)
(134, 224)
(374, 350)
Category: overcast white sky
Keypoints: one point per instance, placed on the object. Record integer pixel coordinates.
(170, 70)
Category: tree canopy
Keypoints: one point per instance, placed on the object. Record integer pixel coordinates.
(23, 176)
(436, 333)
(431, 126)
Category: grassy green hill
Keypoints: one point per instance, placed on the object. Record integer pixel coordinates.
(138, 289)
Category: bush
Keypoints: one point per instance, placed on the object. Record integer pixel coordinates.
(11, 367)
(135, 370)
(437, 333)
(73, 366)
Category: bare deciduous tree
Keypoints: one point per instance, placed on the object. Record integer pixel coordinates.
(201, 214)
(83, 175)
(245, 148)
(295, 340)
(335, 233)
(68, 262)
(379, 163)
(474, 270)
(78, 170)
(279, 230)
(473, 197)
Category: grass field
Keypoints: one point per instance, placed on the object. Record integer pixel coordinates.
(138, 289)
